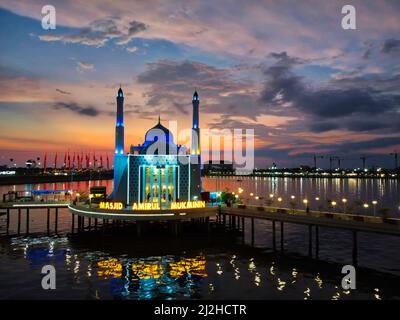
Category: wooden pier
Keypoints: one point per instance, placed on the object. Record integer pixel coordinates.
(312, 219)
(25, 209)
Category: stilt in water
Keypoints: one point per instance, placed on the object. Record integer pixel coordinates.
(355, 249)
(73, 224)
(8, 220)
(252, 231)
(48, 220)
(273, 235)
(138, 229)
(310, 240)
(56, 221)
(19, 221)
(316, 242)
(27, 221)
(282, 235)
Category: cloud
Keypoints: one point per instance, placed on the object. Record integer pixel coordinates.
(84, 66)
(81, 110)
(390, 45)
(132, 49)
(62, 91)
(99, 32)
(134, 28)
(170, 82)
(339, 104)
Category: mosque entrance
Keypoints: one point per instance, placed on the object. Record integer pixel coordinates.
(159, 184)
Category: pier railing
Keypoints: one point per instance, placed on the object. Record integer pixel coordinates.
(240, 208)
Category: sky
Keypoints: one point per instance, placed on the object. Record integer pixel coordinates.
(286, 69)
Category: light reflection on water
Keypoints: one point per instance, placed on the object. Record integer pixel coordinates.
(228, 271)
(385, 191)
(84, 273)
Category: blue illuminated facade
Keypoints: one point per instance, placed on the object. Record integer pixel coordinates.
(158, 170)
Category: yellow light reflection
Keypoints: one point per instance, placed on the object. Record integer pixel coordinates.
(195, 266)
(109, 268)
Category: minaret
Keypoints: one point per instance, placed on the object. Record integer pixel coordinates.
(120, 160)
(195, 128)
(196, 150)
(119, 127)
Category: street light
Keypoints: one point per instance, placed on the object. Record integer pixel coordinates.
(333, 203)
(279, 200)
(251, 194)
(344, 204)
(374, 203)
(292, 197)
(271, 195)
(316, 198)
(366, 205)
(305, 201)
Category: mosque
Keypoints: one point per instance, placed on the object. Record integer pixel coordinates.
(158, 171)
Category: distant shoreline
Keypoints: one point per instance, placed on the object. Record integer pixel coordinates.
(33, 179)
(108, 175)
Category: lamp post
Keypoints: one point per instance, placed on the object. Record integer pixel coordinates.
(333, 203)
(374, 203)
(279, 200)
(344, 204)
(305, 201)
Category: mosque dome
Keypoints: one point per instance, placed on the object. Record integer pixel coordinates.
(159, 133)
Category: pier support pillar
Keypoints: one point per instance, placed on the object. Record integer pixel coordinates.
(243, 226)
(48, 220)
(56, 221)
(252, 231)
(316, 242)
(27, 221)
(73, 224)
(95, 224)
(355, 249)
(224, 220)
(90, 223)
(273, 235)
(310, 240)
(19, 222)
(282, 236)
(138, 229)
(8, 220)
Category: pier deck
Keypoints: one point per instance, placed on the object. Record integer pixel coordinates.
(390, 226)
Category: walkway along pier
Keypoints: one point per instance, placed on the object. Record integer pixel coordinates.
(21, 208)
(233, 217)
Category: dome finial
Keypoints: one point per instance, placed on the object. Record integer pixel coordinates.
(195, 95)
(120, 93)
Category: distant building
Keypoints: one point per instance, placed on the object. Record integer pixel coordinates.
(218, 168)
(157, 170)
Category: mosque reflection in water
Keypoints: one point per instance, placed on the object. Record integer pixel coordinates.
(153, 277)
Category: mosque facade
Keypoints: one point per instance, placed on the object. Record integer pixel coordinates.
(158, 171)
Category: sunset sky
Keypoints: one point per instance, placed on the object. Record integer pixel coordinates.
(284, 68)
